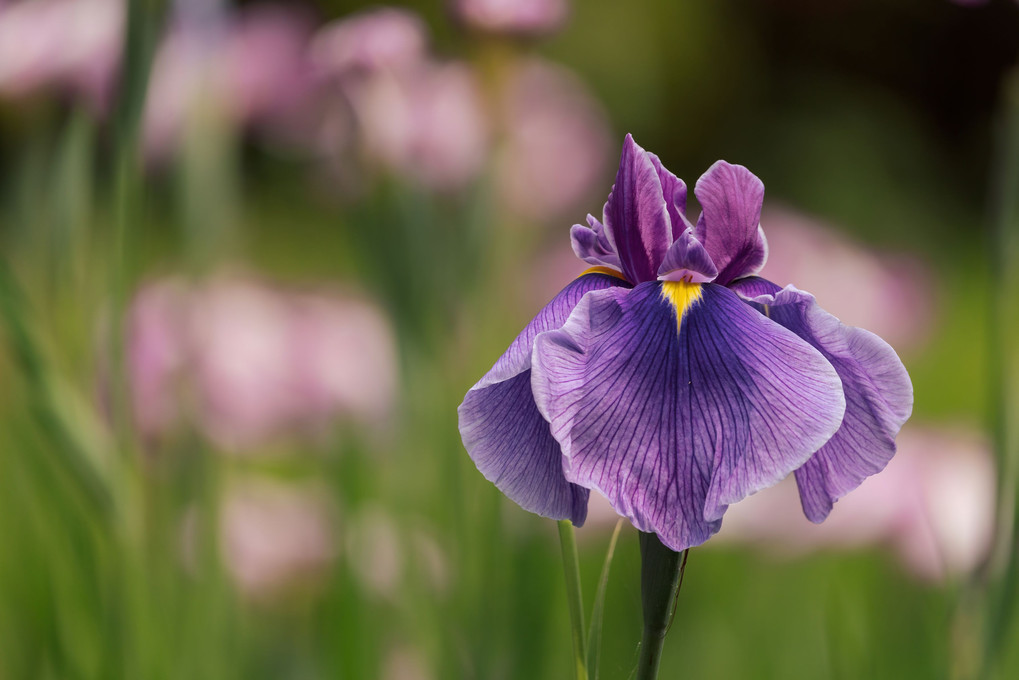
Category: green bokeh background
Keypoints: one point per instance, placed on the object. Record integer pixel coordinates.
(877, 116)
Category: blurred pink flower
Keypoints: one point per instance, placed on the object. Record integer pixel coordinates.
(252, 69)
(512, 17)
(156, 353)
(557, 141)
(933, 505)
(70, 45)
(370, 41)
(274, 535)
(410, 114)
(891, 295)
(253, 363)
(425, 123)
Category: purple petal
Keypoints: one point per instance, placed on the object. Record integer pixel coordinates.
(505, 434)
(592, 245)
(674, 192)
(673, 423)
(879, 394)
(636, 218)
(730, 223)
(687, 259)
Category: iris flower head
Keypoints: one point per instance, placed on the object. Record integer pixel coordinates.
(673, 380)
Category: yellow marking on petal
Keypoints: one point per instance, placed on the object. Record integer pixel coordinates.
(767, 311)
(681, 295)
(608, 271)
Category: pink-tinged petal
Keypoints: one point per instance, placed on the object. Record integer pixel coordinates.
(636, 217)
(505, 434)
(556, 142)
(674, 192)
(592, 245)
(372, 40)
(933, 505)
(879, 394)
(513, 17)
(730, 223)
(672, 419)
(687, 260)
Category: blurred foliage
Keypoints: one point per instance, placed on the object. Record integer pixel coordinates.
(873, 115)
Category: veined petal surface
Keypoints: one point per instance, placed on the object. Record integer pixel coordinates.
(504, 433)
(591, 244)
(673, 418)
(636, 218)
(879, 394)
(674, 193)
(730, 223)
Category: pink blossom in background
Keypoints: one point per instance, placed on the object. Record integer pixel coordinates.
(891, 295)
(557, 142)
(241, 335)
(64, 45)
(933, 506)
(512, 17)
(249, 363)
(370, 41)
(251, 68)
(425, 123)
(275, 535)
(156, 353)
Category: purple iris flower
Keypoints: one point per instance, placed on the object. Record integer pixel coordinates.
(675, 382)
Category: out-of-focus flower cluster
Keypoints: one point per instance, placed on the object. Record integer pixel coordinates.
(932, 506)
(68, 46)
(249, 364)
(363, 95)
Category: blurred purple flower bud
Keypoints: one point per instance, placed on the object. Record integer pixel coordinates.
(512, 17)
(890, 295)
(932, 505)
(69, 45)
(558, 142)
(370, 41)
(276, 535)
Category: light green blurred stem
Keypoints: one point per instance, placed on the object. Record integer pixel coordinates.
(1000, 596)
(594, 634)
(74, 453)
(661, 574)
(127, 189)
(571, 568)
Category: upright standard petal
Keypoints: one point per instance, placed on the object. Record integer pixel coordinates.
(674, 193)
(730, 223)
(505, 434)
(591, 244)
(636, 218)
(675, 400)
(879, 394)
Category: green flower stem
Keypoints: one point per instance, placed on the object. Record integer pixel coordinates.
(661, 574)
(594, 633)
(571, 568)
